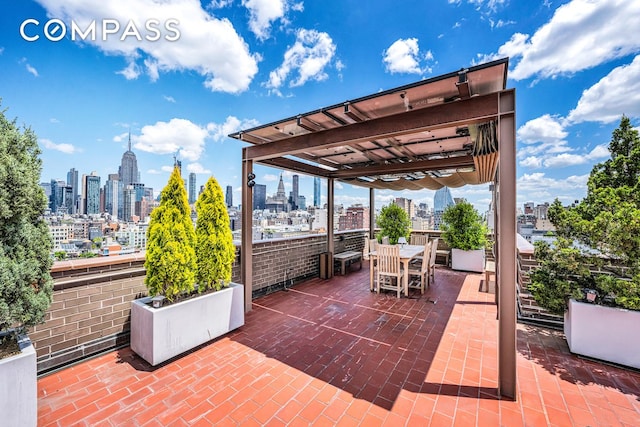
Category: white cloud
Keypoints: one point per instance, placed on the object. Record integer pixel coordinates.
(64, 148)
(206, 45)
(263, 13)
(179, 136)
(232, 124)
(403, 56)
(198, 168)
(270, 177)
(32, 70)
(539, 187)
(167, 168)
(312, 52)
(54, 120)
(154, 172)
(581, 35)
(219, 4)
(546, 129)
(545, 145)
(169, 99)
(615, 94)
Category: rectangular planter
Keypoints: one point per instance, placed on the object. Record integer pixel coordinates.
(158, 334)
(467, 260)
(19, 387)
(606, 333)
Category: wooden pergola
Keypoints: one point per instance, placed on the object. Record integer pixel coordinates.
(452, 130)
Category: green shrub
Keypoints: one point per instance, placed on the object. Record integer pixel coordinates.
(215, 251)
(25, 283)
(170, 258)
(394, 222)
(463, 228)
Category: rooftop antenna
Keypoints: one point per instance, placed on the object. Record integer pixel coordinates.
(129, 139)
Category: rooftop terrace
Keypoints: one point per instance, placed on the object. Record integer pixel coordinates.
(329, 352)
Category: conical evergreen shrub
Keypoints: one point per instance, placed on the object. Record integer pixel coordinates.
(215, 251)
(25, 243)
(170, 258)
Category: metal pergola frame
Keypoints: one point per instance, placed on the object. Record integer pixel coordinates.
(381, 147)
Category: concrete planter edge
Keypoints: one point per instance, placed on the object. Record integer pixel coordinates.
(159, 334)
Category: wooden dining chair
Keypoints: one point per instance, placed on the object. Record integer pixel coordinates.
(421, 269)
(432, 261)
(419, 239)
(389, 271)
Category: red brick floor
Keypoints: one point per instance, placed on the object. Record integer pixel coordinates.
(330, 353)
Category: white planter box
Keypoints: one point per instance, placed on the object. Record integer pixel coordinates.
(158, 334)
(19, 387)
(467, 260)
(605, 333)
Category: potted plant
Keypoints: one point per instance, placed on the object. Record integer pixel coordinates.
(466, 234)
(191, 299)
(25, 283)
(591, 273)
(394, 223)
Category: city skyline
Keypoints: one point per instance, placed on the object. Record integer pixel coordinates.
(86, 98)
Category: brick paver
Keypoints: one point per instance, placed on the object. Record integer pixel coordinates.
(333, 353)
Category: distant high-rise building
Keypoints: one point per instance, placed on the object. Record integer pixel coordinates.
(296, 193)
(259, 196)
(129, 203)
(279, 202)
(441, 200)
(407, 205)
(229, 196)
(192, 188)
(316, 191)
(112, 192)
(128, 171)
(302, 203)
(91, 193)
(72, 181)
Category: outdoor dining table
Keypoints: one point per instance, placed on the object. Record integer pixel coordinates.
(407, 253)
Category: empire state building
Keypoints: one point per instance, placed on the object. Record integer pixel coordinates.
(128, 171)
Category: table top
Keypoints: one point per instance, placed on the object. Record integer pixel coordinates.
(406, 251)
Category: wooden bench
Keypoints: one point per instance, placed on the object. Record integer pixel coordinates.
(347, 258)
(489, 270)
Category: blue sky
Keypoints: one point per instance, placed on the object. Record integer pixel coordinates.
(205, 69)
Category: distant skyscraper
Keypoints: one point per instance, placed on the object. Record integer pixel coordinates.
(129, 202)
(229, 196)
(192, 188)
(296, 193)
(91, 187)
(316, 191)
(112, 192)
(441, 200)
(128, 171)
(259, 196)
(72, 181)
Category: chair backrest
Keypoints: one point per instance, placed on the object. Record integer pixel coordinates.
(426, 256)
(434, 251)
(388, 259)
(385, 240)
(419, 239)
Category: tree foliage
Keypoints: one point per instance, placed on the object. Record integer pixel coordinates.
(25, 282)
(170, 258)
(394, 222)
(215, 251)
(463, 228)
(607, 220)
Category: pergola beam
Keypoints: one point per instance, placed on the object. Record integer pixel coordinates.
(393, 168)
(478, 109)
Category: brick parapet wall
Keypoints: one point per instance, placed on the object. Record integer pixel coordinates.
(91, 307)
